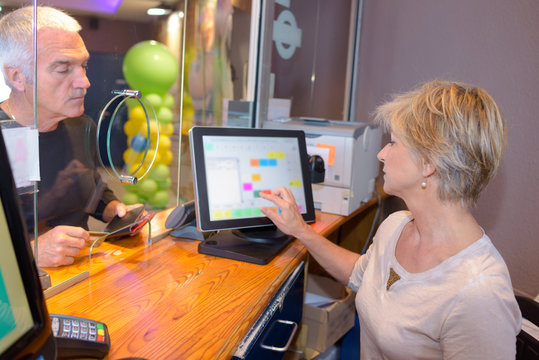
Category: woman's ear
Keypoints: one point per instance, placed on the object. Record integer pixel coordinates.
(428, 169)
(15, 78)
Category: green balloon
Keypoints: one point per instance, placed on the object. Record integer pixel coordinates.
(168, 100)
(165, 115)
(131, 103)
(147, 187)
(165, 184)
(130, 198)
(159, 199)
(150, 67)
(155, 100)
(130, 187)
(160, 172)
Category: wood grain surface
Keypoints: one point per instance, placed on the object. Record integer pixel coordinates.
(167, 301)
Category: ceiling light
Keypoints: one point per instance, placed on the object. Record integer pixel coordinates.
(161, 9)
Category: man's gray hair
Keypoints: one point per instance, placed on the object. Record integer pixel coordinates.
(16, 34)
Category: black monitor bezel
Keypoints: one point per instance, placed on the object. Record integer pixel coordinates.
(40, 334)
(196, 135)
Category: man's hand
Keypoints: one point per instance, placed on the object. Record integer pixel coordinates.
(115, 207)
(60, 245)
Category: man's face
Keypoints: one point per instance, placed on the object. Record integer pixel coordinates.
(61, 75)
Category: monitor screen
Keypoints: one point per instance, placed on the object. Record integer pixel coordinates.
(232, 166)
(24, 323)
(15, 316)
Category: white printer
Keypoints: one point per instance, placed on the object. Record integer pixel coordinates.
(349, 151)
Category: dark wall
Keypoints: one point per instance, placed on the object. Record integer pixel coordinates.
(113, 36)
(490, 43)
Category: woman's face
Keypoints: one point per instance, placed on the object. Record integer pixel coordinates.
(402, 171)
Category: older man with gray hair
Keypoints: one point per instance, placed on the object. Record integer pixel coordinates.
(70, 188)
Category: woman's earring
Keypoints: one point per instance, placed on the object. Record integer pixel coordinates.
(424, 184)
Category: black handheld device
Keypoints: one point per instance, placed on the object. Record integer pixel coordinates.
(122, 226)
(119, 223)
(78, 337)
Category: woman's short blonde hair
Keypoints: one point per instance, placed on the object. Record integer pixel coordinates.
(455, 127)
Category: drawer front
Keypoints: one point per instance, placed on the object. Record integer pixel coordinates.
(274, 330)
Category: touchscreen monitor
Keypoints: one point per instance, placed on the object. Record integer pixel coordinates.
(231, 167)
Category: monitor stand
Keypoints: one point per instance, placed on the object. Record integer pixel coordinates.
(252, 245)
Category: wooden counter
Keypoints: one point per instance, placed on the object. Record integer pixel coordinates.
(166, 300)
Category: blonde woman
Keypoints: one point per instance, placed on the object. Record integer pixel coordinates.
(432, 285)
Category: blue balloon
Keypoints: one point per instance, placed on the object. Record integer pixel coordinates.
(138, 143)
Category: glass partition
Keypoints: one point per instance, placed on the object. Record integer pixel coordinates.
(193, 65)
(112, 114)
(203, 62)
(208, 43)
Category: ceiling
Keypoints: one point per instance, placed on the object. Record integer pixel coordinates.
(134, 10)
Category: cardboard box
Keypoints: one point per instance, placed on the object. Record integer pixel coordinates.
(325, 325)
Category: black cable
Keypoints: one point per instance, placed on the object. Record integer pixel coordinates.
(374, 221)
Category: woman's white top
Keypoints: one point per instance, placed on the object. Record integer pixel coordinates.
(464, 308)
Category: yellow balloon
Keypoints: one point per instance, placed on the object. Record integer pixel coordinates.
(132, 157)
(188, 110)
(165, 157)
(187, 120)
(187, 101)
(137, 114)
(157, 160)
(186, 125)
(132, 166)
(149, 158)
(137, 123)
(154, 129)
(126, 155)
(167, 129)
(164, 142)
(154, 126)
(131, 128)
